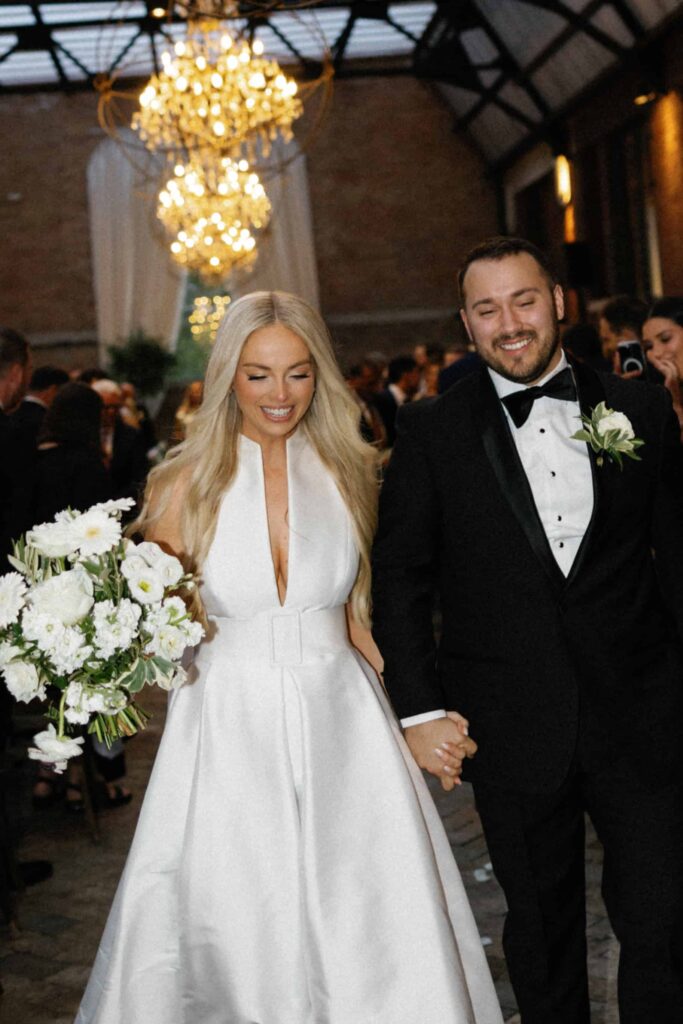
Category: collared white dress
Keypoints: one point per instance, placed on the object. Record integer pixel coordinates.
(289, 866)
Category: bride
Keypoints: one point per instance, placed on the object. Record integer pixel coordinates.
(289, 866)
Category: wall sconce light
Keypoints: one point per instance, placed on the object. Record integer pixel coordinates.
(643, 98)
(563, 181)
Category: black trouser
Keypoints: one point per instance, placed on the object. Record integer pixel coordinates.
(536, 844)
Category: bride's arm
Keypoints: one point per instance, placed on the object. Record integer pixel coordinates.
(165, 530)
(361, 638)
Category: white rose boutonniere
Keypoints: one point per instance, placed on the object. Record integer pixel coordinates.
(609, 433)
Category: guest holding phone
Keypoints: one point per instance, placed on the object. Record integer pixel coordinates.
(663, 343)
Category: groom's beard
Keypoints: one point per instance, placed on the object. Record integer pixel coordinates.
(541, 351)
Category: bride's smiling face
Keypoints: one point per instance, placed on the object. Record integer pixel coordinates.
(274, 383)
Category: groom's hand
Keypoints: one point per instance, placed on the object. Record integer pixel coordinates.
(440, 746)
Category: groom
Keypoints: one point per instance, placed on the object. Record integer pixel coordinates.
(560, 581)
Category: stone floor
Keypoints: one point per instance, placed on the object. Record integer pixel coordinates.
(44, 965)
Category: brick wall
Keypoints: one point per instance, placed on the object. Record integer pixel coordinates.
(397, 198)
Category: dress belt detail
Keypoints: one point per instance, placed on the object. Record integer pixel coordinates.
(284, 637)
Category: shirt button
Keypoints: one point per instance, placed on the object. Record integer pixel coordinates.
(553, 473)
(542, 430)
(561, 544)
(559, 519)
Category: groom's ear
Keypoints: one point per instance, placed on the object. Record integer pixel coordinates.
(558, 298)
(463, 317)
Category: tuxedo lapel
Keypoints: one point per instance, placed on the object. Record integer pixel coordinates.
(591, 392)
(502, 454)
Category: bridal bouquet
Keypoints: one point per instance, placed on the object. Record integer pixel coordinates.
(86, 621)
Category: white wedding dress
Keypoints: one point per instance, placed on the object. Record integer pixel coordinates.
(289, 866)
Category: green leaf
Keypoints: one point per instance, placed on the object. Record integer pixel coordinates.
(134, 680)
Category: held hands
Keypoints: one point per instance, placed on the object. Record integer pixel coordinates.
(440, 747)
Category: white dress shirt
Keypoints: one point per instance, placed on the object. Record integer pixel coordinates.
(559, 474)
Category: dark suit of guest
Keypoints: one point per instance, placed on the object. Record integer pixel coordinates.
(68, 476)
(387, 407)
(571, 684)
(129, 466)
(26, 422)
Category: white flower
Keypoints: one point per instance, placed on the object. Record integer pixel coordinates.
(118, 505)
(54, 750)
(174, 681)
(95, 533)
(150, 551)
(133, 564)
(116, 625)
(44, 630)
(67, 596)
(71, 652)
(170, 570)
(23, 681)
(194, 631)
(146, 587)
(615, 421)
(12, 597)
(75, 716)
(169, 642)
(175, 609)
(54, 540)
(8, 652)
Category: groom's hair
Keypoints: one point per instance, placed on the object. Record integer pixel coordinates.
(497, 248)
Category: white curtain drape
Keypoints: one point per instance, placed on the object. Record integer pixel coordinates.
(137, 285)
(286, 260)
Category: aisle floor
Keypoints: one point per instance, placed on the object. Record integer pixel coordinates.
(44, 967)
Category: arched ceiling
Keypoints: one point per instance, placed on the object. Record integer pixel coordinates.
(506, 67)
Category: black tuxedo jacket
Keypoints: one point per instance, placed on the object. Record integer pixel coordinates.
(26, 423)
(546, 668)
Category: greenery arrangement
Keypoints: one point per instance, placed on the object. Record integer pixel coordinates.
(143, 362)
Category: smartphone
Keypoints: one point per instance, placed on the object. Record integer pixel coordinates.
(631, 357)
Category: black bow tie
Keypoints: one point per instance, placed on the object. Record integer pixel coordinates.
(519, 403)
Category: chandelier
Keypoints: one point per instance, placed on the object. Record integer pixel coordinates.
(217, 91)
(209, 210)
(207, 313)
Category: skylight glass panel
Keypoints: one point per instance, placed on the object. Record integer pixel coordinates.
(16, 14)
(27, 69)
(377, 39)
(56, 14)
(414, 17)
(7, 41)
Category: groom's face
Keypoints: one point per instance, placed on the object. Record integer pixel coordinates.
(511, 312)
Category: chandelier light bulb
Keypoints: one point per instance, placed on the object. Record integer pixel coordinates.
(209, 212)
(215, 90)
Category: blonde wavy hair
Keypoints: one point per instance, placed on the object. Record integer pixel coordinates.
(206, 461)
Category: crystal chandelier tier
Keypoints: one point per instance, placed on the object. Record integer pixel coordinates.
(210, 210)
(217, 91)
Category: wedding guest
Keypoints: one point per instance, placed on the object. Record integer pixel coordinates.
(92, 374)
(371, 425)
(15, 373)
(403, 382)
(122, 447)
(663, 344)
(28, 417)
(582, 343)
(135, 413)
(70, 473)
(187, 410)
(289, 865)
(621, 319)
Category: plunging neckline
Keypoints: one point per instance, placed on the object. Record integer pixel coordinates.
(282, 603)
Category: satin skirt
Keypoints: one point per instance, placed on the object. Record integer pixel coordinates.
(289, 865)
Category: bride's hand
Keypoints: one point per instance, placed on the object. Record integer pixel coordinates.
(440, 746)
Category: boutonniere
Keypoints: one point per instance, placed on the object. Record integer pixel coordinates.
(609, 433)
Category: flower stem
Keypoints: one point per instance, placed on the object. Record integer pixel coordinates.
(60, 722)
